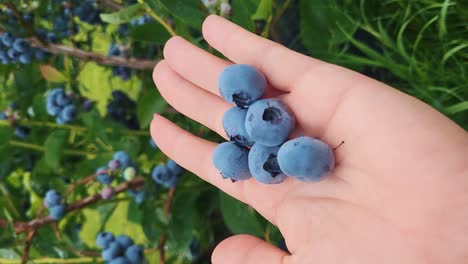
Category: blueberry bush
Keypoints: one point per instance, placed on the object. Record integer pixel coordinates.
(80, 179)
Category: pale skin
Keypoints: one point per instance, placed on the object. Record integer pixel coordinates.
(399, 191)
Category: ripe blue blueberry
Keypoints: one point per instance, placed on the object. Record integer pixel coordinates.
(174, 168)
(120, 260)
(232, 161)
(7, 39)
(263, 164)
(62, 99)
(68, 113)
(234, 125)
(138, 196)
(104, 239)
(124, 241)
(24, 58)
(13, 54)
(242, 84)
(113, 251)
(3, 116)
(135, 254)
(269, 122)
(103, 176)
(162, 175)
(306, 158)
(56, 212)
(20, 45)
(21, 132)
(52, 198)
(123, 158)
(153, 144)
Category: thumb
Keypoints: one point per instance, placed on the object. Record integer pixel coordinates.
(247, 249)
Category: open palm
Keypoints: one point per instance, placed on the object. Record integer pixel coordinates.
(399, 192)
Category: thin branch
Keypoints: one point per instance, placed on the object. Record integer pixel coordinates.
(163, 237)
(23, 23)
(27, 246)
(21, 227)
(134, 63)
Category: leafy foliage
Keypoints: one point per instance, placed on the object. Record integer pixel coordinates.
(419, 47)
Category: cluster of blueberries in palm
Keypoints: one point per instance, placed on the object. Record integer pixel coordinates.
(121, 71)
(59, 104)
(54, 202)
(11, 114)
(258, 130)
(167, 174)
(17, 50)
(119, 249)
(122, 109)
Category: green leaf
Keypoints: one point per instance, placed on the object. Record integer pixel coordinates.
(319, 26)
(187, 10)
(150, 32)
(242, 12)
(53, 146)
(149, 104)
(50, 73)
(238, 217)
(182, 219)
(263, 10)
(124, 15)
(150, 223)
(456, 108)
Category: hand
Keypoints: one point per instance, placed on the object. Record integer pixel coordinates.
(399, 192)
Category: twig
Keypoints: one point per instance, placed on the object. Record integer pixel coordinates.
(27, 246)
(21, 227)
(276, 18)
(163, 237)
(159, 19)
(134, 63)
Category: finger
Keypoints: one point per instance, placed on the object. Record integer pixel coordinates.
(247, 249)
(281, 65)
(185, 97)
(192, 153)
(194, 64)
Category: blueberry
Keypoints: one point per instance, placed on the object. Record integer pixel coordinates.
(20, 45)
(269, 122)
(124, 241)
(234, 125)
(242, 84)
(59, 120)
(263, 164)
(174, 168)
(113, 164)
(104, 239)
(3, 116)
(13, 54)
(68, 113)
(24, 58)
(138, 196)
(114, 50)
(119, 260)
(162, 175)
(21, 132)
(129, 173)
(52, 198)
(135, 254)
(102, 176)
(153, 144)
(7, 39)
(113, 251)
(40, 54)
(87, 105)
(61, 99)
(306, 158)
(56, 212)
(107, 192)
(232, 161)
(123, 158)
